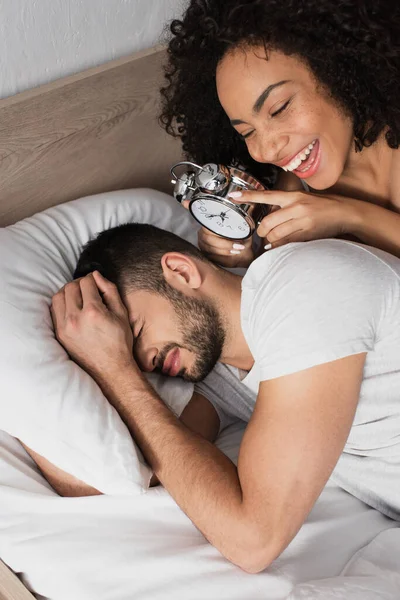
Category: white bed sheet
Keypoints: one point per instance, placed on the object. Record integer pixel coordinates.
(145, 548)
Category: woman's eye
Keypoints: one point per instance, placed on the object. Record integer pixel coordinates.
(281, 109)
(246, 135)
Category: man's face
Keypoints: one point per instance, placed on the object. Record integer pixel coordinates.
(179, 336)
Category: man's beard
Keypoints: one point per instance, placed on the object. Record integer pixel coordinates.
(202, 332)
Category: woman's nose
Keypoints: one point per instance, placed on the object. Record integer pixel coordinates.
(268, 148)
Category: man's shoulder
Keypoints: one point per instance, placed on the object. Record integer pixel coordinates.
(310, 301)
(318, 274)
(308, 260)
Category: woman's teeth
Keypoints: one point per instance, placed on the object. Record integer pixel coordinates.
(299, 158)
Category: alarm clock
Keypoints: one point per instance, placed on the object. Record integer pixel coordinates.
(207, 188)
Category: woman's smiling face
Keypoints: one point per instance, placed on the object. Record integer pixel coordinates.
(284, 116)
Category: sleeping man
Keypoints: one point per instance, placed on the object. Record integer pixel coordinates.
(309, 349)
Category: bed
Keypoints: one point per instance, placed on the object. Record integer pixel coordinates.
(89, 133)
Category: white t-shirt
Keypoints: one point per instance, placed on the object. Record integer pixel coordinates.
(306, 304)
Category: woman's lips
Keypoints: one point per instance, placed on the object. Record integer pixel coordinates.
(172, 362)
(309, 166)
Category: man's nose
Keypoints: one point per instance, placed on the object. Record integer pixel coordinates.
(147, 360)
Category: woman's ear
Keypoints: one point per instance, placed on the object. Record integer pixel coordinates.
(181, 271)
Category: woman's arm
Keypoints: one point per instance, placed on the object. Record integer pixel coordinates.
(305, 216)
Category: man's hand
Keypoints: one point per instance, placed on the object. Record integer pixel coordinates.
(92, 324)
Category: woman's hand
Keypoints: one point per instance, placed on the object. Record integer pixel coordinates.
(227, 253)
(302, 216)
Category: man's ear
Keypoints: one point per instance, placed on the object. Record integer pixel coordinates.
(181, 271)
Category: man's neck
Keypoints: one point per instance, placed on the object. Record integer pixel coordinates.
(227, 295)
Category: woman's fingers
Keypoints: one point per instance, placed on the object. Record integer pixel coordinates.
(227, 253)
(295, 230)
(207, 237)
(232, 261)
(215, 245)
(296, 236)
(275, 219)
(231, 249)
(273, 197)
(284, 231)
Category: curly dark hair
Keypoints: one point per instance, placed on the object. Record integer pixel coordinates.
(351, 46)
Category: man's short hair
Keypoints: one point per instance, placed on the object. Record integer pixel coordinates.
(130, 256)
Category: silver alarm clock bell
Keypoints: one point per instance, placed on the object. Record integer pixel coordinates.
(207, 188)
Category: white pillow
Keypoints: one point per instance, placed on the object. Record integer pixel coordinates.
(46, 400)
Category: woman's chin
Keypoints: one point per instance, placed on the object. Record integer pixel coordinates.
(323, 179)
(325, 172)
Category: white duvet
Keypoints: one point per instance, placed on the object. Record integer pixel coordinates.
(145, 548)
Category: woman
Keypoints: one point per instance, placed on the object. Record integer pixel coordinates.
(305, 93)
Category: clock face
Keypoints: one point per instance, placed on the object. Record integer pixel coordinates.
(220, 219)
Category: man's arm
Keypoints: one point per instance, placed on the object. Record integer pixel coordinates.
(199, 416)
(293, 441)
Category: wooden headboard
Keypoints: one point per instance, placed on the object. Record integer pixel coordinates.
(88, 133)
